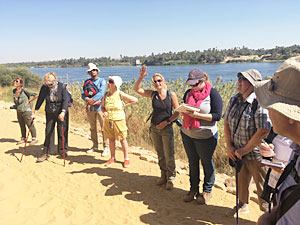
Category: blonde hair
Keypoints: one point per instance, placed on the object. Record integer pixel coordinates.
(205, 78)
(48, 75)
(162, 78)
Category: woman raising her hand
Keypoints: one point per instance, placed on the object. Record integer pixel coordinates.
(161, 129)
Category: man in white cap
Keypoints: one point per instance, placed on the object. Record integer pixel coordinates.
(92, 93)
(281, 96)
(245, 125)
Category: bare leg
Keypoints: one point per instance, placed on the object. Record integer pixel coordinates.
(124, 148)
(112, 147)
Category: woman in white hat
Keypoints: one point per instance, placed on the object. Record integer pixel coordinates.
(115, 121)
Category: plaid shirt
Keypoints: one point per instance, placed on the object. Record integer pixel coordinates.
(250, 121)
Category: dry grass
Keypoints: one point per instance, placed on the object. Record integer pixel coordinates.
(138, 128)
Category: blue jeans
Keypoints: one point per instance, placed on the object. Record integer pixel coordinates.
(196, 150)
(163, 141)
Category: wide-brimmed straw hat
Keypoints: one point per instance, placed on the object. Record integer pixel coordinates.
(282, 92)
(92, 66)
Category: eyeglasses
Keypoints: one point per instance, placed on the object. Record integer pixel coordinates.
(241, 78)
(17, 81)
(111, 81)
(157, 81)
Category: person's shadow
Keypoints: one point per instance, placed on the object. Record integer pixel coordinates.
(168, 206)
(3, 140)
(36, 151)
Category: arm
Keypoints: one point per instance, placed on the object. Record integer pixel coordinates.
(227, 134)
(101, 86)
(129, 99)
(253, 142)
(137, 87)
(105, 113)
(40, 100)
(263, 126)
(61, 116)
(30, 93)
(216, 105)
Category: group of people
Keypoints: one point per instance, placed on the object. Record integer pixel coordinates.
(258, 107)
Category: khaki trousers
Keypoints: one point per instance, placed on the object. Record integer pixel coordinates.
(93, 116)
(252, 168)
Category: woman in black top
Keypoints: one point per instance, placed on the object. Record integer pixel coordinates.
(161, 129)
(56, 96)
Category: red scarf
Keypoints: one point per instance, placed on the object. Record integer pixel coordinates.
(195, 98)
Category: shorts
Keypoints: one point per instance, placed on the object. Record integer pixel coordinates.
(118, 130)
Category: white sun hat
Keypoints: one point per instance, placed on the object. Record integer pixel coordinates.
(117, 80)
(92, 66)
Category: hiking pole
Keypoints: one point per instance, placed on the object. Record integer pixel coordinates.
(26, 140)
(63, 144)
(237, 194)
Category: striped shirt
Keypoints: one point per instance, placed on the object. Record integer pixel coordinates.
(244, 119)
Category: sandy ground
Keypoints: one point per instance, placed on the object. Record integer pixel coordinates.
(86, 192)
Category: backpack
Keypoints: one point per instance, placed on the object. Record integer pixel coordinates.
(90, 89)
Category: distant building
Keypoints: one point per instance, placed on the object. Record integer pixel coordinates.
(138, 62)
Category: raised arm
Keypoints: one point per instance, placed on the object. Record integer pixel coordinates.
(137, 87)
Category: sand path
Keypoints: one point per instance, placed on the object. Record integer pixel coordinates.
(86, 192)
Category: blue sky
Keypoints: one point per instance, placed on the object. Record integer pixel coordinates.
(38, 30)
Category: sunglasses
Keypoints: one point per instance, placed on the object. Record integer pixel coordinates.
(17, 81)
(111, 81)
(241, 78)
(195, 85)
(157, 81)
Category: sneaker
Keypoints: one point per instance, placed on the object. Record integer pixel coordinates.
(110, 162)
(43, 158)
(126, 163)
(91, 150)
(190, 196)
(34, 141)
(161, 181)
(243, 209)
(21, 141)
(169, 185)
(105, 152)
(203, 198)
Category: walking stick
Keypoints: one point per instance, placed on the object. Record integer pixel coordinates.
(63, 144)
(237, 194)
(26, 140)
(237, 165)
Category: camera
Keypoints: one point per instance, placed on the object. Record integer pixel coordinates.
(178, 122)
(13, 107)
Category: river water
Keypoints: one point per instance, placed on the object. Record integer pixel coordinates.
(227, 71)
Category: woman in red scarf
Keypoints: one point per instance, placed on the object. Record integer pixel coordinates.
(200, 133)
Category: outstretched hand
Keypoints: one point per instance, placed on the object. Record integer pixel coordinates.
(143, 72)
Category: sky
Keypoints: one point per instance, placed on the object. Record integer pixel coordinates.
(40, 30)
